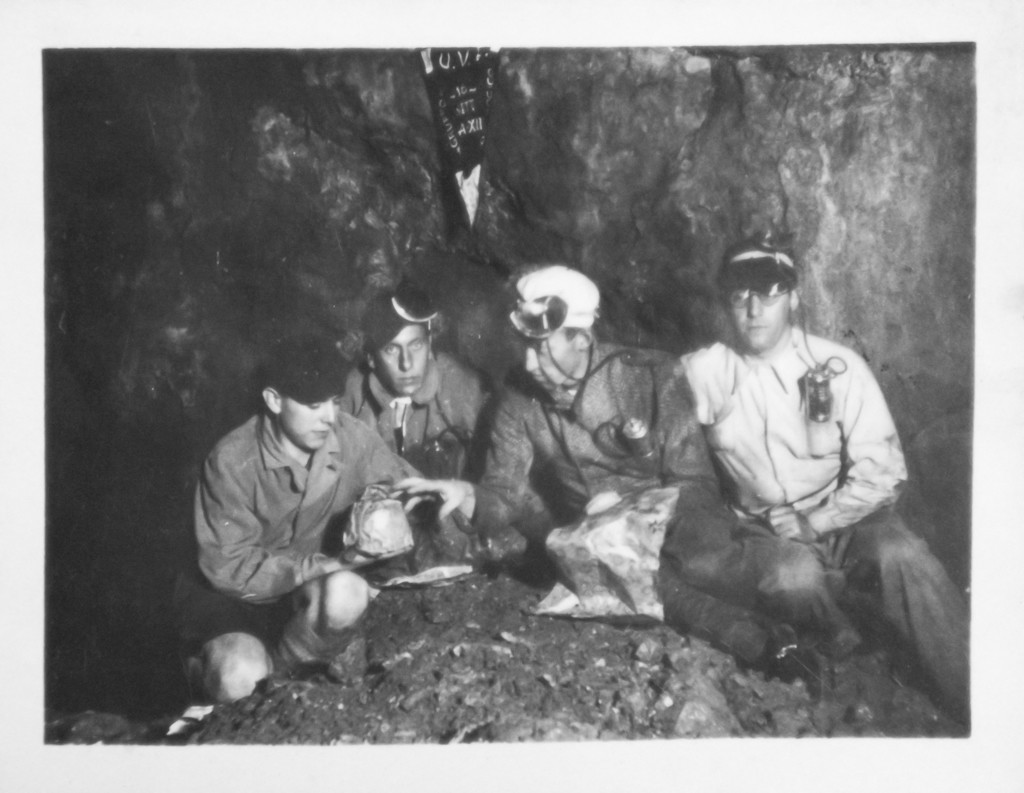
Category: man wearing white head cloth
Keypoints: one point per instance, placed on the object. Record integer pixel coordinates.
(599, 417)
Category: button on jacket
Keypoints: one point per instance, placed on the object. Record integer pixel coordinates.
(260, 517)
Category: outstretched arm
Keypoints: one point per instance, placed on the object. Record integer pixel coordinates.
(501, 494)
(452, 493)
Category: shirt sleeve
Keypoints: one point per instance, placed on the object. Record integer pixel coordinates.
(702, 522)
(873, 464)
(685, 457)
(229, 534)
(472, 420)
(507, 469)
(470, 398)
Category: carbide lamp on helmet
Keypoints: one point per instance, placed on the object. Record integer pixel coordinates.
(388, 312)
(552, 297)
(541, 317)
(412, 304)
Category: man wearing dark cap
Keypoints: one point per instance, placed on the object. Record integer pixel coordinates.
(811, 456)
(266, 595)
(425, 406)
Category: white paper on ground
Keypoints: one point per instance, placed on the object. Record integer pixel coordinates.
(189, 720)
(435, 576)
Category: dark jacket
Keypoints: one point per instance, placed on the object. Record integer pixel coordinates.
(441, 429)
(581, 451)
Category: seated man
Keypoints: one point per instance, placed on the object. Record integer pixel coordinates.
(266, 595)
(810, 453)
(424, 407)
(572, 426)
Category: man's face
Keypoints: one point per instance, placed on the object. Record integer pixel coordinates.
(559, 361)
(304, 427)
(401, 364)
(762, 323)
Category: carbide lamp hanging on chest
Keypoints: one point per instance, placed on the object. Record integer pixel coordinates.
(818, 393)
(818, 403)
(818, 388)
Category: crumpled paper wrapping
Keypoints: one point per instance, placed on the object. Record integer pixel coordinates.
(378, 528)
(608, 561)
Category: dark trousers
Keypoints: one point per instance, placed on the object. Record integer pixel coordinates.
(730, 591)
(719, 588)
(891, 571)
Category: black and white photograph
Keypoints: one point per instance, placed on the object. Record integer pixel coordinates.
(511, 407)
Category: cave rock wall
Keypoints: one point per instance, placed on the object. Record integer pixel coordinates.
(201, 203)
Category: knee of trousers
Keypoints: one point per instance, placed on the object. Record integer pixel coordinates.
(797, 576)
(899, 549)
(344, 598)
(233, 664)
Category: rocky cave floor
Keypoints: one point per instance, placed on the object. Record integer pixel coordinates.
(466, 663)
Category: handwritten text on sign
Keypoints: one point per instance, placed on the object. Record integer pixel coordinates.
(461, 85)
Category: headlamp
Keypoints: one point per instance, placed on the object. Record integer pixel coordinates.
(411, 304)
(541, 317)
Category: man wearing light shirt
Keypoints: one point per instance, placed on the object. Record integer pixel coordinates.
(809, 452)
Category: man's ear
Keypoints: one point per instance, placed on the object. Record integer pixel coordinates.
(794, 300)
(371, 361)
(272, 399)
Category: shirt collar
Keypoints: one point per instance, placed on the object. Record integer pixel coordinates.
(272, 450)
(422, 395)
(790, 363)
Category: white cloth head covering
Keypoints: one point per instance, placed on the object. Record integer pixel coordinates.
(579, 292)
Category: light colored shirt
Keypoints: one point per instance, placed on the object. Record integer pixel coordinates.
(400, 409)
(835, 473)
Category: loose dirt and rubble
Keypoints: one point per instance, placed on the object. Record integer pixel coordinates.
(467, 662)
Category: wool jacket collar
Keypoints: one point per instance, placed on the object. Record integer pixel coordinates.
(423, 395)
